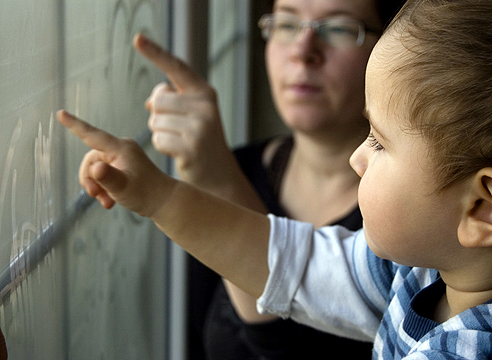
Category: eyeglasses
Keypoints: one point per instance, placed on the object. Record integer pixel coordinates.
(338, 32)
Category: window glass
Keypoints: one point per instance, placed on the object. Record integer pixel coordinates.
(78, 282)
(229, 64)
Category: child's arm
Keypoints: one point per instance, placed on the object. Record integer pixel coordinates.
(312, 274)
(230, 239)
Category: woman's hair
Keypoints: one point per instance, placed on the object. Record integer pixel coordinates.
(446, 80)
(387, 9)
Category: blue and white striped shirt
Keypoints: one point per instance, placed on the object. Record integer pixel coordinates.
(329, 279)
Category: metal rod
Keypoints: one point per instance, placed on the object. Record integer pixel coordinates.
(32, 254)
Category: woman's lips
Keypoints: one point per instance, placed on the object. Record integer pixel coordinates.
(304, 90)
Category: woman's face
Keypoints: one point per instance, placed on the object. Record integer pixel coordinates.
(315, 86)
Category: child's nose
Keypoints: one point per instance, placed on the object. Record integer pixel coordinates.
(358, 160)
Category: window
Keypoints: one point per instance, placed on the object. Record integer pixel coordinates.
(78, 282)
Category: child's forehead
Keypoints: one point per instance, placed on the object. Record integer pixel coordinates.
(385, 76)
(389, 50)
(378, 71)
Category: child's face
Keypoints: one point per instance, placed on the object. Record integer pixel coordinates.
(405, 218)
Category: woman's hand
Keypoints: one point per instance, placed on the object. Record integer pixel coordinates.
(185, 121)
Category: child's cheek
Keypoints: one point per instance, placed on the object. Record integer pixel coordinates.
(381, 211)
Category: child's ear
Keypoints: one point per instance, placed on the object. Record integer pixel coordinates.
(475, 229)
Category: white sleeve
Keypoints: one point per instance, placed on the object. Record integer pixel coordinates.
(312, 279)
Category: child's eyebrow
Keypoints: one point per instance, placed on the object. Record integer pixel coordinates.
(374, 128)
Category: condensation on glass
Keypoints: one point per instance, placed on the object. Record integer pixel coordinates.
(98, 293)
(229, 64)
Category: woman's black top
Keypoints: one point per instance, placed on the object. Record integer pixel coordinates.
(215, 330)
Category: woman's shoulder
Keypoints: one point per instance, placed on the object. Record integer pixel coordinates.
(262, 153)
(272, 147)
(263, 163)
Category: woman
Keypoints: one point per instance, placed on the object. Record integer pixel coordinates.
(316, 55)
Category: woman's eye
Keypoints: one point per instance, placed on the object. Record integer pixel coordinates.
(285, 26)
(374, 143)
(342, 30)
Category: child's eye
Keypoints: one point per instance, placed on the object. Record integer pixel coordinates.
(374, 143)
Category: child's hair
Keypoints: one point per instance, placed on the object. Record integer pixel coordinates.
(446, 77)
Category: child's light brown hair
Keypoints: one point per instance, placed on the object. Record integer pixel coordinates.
(446, 77)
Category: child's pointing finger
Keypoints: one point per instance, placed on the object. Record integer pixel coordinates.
(93, 137)
(178, 72)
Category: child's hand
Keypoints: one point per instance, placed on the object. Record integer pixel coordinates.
(185, 121)
(118, 170)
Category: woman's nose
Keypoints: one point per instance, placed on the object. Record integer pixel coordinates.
(359, 159)
(308, 48)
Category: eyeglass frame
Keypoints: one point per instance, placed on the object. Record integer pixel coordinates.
(314, 25)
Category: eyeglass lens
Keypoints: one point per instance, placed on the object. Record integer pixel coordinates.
(335, 32)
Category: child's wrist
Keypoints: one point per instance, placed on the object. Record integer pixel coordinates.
(164, 193)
